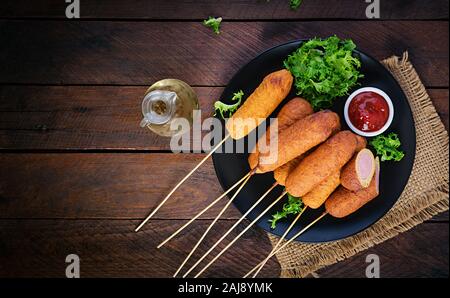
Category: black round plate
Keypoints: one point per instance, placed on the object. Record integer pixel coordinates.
(394, 175)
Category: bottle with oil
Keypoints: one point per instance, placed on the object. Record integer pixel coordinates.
(165, 101)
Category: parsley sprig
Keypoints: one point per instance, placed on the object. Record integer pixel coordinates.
(213, 23)
(293, 206)
(227, 110)
(387, 147)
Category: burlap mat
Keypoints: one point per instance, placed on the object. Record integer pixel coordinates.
(425, 195)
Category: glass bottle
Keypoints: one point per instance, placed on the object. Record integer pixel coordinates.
(165, 101)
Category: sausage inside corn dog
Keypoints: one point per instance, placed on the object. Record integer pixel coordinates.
(344, 202)
(294, 110)
(301, 137)
(260, 104)
(358, 172)
(319, 194)
(328, 158)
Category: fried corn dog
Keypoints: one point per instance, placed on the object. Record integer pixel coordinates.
(328, 158)
(260, 104)
(294, 110)
(344, 202)
(301, 137)
(319, 194)
(358, 172)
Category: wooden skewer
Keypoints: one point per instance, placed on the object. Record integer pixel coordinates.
(278, 244)
(235, 225)
(212, 224)
(205, 209)
(293, 238)
(238, 236)
(181, 182)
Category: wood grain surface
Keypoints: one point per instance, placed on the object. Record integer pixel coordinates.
(418, 252)
(77, 173)
(111, 248)
(96, 117)
(229, 10)
(138, 53)
(105, 186)
(81, 117)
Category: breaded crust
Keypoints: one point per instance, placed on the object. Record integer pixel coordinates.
(294, 110)
(319, 194)
(281, 173)
(328, 158)
(361, 143)
(301, 137)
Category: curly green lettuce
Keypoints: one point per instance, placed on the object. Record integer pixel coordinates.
(387, 147)
(213, 23)
(227, 110)
(293, 206)
(295, 4)
(324, 69)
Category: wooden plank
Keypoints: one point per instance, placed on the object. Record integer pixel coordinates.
(81, 117)
(230, 10)
(138, 53)
(441, 100)
(110, 248)
(442, 217)
(106, 186)
(420, 252)
(96, 117)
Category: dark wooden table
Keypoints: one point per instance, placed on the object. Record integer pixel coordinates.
(77, 173)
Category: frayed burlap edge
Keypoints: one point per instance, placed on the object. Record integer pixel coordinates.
(425, 195)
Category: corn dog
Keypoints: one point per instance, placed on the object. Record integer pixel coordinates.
(340, 204)
(344, 202)
(295, 109)
(328, 158)
(361, 143)
(301, 137)
(260, 104)
(358, 172)
(319, 194)
(280, 174)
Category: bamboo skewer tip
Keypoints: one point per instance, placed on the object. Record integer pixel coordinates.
(293, 238)
(213, 223)
(291, 226)
(237, 237)
(180, 183)
(231, 229)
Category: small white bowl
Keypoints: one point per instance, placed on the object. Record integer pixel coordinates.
(388, 101)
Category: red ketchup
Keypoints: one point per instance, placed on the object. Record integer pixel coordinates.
(368, 111)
